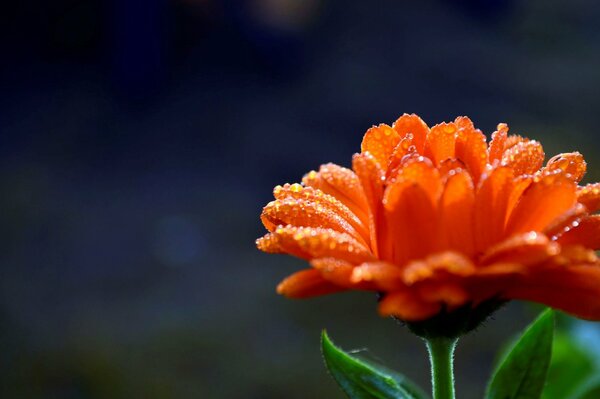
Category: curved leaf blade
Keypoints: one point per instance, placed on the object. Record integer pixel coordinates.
(522, 373)
(362, 380)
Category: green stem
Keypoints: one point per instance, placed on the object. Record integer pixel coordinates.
(441, 356)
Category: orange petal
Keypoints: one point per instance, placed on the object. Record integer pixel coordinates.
(520, 184)
(407, 306)
(450, 165)
(445, 263)
(513, 140)
(524, 249)
(449, 293)
(305, 284)
(497, 144)
(544, 201)
(414, 125)
(404, 148)
(419, 170)
(336, 271)
(441, 141)
(380, 142)
(566, 221)
(410, 211)
(327, 201)
(301, 213)
(341, 183)
(586, 232)
(310, 243)
(589, 196)
(456, 213)
(573, 289)
(571, 163)
(471, 149)
(382, 275)
(371, 178)
(464, 122)
(524, 158)
(491, 204)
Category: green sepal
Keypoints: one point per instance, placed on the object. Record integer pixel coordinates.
(361, 379)
(522, 373)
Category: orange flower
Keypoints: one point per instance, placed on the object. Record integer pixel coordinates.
(437, 219)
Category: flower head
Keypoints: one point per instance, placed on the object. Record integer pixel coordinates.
(436, 219)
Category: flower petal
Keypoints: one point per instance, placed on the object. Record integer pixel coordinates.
(586, 232)
(471, 149)
(410, 211)
(524, 249)
(496, 148)
(305, 284)
(310, 243)
(407, 306)
(371, 177)
(589, 196)
(571, 163)
(336, 271)
(302, 213)
(441, 142)
(456, 213)
(380, 142)
(573, 289)
(491, 207)
(342, 184)
(444, 264)
(524, 158)
(414, 125)
(542, 202)
(382, 275)
(447, 292)
(327, 201)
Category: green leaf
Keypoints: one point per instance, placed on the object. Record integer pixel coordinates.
(570, 368)
(360, 379)
(522, 373)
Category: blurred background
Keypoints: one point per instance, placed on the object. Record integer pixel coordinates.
(140, 139)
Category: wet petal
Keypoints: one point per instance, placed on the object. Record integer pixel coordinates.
(586, 232)
(297, 191)
(341, 183)
(566, 221)
(524, 158)
(499, 138)
(571, 163)
(410, 212)
(305, 284)
(456, 213)
(414, 125)
(407, 306)
(371, 177)
(524, 249)
(310, 243)
(471, 149)
(491, 206)
(301, 213)
(404, 148)
(441, 142)
(542, 202)
(380, 142)
(589, 196)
